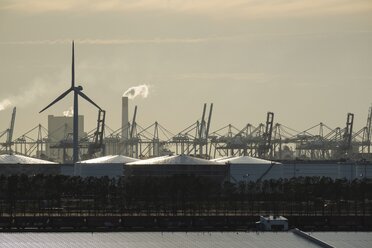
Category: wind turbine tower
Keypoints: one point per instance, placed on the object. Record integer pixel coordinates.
(77, 92)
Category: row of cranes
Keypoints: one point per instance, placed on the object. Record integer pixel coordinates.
(155, 140)
(267, 140)
(36, 141)
(277, 141)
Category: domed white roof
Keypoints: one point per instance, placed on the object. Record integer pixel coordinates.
(110, 159)
(20, 159)
(246, 160)
(175, 159)
(219, 159)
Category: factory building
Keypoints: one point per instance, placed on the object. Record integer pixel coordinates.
(124, 117)
(113, 145)
(59, 146)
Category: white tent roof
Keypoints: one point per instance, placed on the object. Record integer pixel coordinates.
(246, 160)
(19, 159)
(176, 159)
(150, 160)
(219, 159)
(110, 159)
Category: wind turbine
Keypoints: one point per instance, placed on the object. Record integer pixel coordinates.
(77, 92)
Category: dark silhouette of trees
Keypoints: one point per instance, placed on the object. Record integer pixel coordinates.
(181, 194)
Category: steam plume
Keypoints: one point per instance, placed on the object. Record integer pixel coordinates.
(26, 95)
(69, 112)
(140, 90)
(4, 104)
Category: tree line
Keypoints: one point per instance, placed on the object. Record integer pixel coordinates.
(21, 193)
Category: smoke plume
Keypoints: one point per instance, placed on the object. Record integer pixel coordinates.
(69, 112)
(140, 90)
(4, 104)
(26, 95)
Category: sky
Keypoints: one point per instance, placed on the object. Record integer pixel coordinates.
(308, 61)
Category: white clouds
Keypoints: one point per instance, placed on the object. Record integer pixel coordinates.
(213, 8)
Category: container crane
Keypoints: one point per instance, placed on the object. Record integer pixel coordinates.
(97, 144)
(9, 132)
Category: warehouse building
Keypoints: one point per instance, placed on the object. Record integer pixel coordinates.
(111, 166)
(11, 164)
(177, 165)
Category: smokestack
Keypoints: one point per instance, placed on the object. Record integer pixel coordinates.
(124, 118)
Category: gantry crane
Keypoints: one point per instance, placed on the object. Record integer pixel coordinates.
(9, 132)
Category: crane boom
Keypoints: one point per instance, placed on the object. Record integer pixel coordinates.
(368, 129)
(133, 122)
(348, 134)
(10, 130)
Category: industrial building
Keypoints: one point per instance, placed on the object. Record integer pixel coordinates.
(177, 165)
(233, 169)
(19, 159)
(11, 164)
(59, 146)
(272, 223)
(110, 166)
(246, 168)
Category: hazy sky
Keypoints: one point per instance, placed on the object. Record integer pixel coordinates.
(309, 61)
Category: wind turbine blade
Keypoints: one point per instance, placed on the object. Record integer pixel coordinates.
(88, 99)
(73, 66)
(57, 99)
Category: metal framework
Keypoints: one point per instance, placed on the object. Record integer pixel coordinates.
(267, 140)
(7, 145)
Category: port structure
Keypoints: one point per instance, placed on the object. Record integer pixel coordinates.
(268, 140)
(7, 145)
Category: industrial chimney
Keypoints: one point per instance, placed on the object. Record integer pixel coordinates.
(124, 118)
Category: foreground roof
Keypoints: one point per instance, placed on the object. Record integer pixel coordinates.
(246, 160)
(181, 239)
(110, 159)
(345, 239)
(20, 159)
(175, 159)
